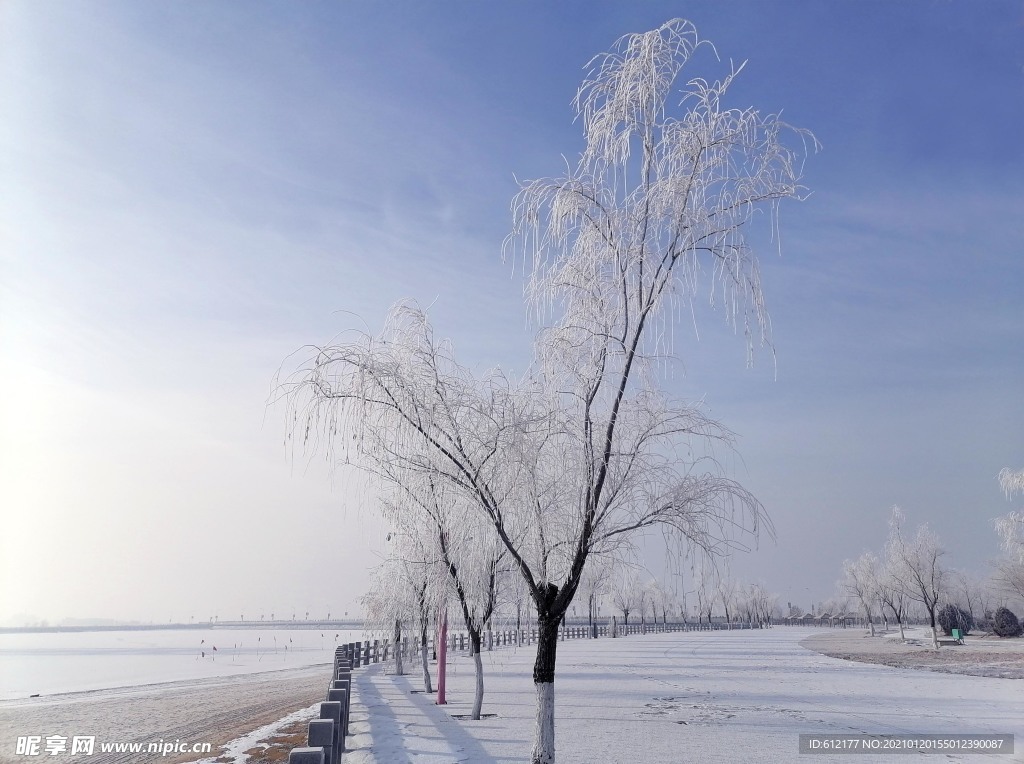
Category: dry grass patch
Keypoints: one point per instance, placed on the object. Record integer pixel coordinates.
(275, 750)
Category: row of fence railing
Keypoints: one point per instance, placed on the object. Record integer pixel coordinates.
(378, 650)
(325, 738)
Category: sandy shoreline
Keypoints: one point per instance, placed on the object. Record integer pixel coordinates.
(979, 656)
(216, 711)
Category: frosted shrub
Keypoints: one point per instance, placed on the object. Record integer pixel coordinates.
(1005, 623)
(954, 617)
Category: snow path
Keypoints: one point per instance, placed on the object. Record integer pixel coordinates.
(718, 696)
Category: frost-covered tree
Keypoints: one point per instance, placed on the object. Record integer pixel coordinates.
(918, 567)
(969, 592)
(1010, 527)
(595, 584)
(1009, 576)
(659, 198)
(706, 578)
(461, 545)
(891, 592)
(648, 602)
(663, 600)
(758, 604)
(626, 594)
(727, 593)
(392, 601)
(1011, 481)
(860, 581)
(516, 598)
(587, 449)
(408, 587)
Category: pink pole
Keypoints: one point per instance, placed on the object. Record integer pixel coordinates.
(442, 654)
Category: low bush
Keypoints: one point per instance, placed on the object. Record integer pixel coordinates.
(955, 617)
(1005, 623)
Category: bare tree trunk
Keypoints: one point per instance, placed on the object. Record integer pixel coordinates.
(899, 621)
(544, 683)
(478, 698)
(935, 633)
(423, 657)
(399, 670)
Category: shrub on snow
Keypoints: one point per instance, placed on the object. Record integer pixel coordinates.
(1005, 623)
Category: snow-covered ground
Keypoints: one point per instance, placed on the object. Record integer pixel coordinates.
(62, 662)
(697, 696)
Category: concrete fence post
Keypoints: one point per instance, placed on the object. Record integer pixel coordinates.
(306, 756)
(321, 735)
(333, 711)
(340, 696)
(345, 683)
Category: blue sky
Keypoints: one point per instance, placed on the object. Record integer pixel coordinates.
(193, 191)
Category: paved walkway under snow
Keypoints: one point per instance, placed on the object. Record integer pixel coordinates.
(694, 696)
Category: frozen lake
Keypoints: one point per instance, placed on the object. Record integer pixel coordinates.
(61, 662)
